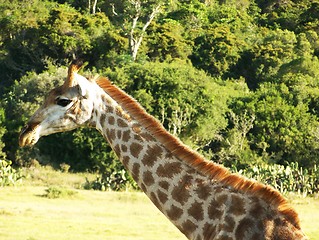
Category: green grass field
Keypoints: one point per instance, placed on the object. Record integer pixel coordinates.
(26, 214)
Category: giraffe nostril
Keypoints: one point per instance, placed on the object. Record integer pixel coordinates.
(28, 128)
(24, 129)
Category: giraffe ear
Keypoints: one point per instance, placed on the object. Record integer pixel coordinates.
(73, 69)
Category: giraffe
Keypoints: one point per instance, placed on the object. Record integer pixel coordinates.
(201, 198)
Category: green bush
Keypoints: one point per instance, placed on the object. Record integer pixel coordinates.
(58, 192)
(8, 175)
(112, 180)
(290, 178)
(2, 132)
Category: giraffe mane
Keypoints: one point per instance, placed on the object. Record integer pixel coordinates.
(213, 170)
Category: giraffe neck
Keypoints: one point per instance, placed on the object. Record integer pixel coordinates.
(199, 205)
(163, 177)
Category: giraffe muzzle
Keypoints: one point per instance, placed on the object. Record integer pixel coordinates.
(28, 135)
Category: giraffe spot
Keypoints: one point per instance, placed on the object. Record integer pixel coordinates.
(151, 155)
(162, 196)
(143, 187)
(169, 169)
(188, 228)
(103, 98)
(109, 109)
(136, 128)
(243, 227)
(196, 211)
(174, 213)
(119, 134)
(181, 192)
(169, 155)
(154, 199)
(127, 117)
(135, 149)
(125, 161)
(209, 231)
(138, 138)
(106, 99)
(148, 178)
(237, 206)
(214, 211)
(228, 225)
(136, 171)
(256, 210)
(110, 133)
(221, 199)
(117, 150)
(146, 136)
(164, 185)
(224, 237)
(121, 123)
(257, 236)
(111, 120)
(124, 148)
(119, 111)
(126, 136)
(102, 119)
(204, 190)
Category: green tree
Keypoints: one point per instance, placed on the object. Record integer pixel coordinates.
(19, 22)
(134, 18)
(261, 63)
(282, 14)
(53, 33)
(188, 102)
(217, 50)
(283, 131)
(192, 15)
(166, 41)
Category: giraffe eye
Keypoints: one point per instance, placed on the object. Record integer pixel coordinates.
(63, 102)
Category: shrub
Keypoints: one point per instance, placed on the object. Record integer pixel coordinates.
(112, 180)
(57, 192)
(290, 178)
(8, 175)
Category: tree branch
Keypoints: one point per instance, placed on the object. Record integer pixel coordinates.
(135, 44)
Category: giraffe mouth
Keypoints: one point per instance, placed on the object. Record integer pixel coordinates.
(29, 135)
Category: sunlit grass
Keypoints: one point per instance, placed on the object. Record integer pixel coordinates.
(28, 213)
(308, 210)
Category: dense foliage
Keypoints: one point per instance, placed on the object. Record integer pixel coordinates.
(236, 80)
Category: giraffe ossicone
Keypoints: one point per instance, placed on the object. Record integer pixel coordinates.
(202, 199)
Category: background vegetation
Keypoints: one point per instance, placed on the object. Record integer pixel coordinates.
(236, 80)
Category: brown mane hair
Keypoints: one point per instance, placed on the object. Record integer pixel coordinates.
(194, 159)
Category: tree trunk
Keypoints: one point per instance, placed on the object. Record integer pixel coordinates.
(135, 41)
(94, 7)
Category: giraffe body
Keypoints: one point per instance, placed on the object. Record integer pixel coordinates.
(200, 198)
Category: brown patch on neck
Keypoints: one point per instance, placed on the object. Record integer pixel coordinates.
(195, 160)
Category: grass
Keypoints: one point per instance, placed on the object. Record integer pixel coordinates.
(308, 210)
(55, 208)
(26, 214)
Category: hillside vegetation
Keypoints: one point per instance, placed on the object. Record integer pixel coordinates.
(235, 80)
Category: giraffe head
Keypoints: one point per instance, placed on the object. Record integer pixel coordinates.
(65, 108)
